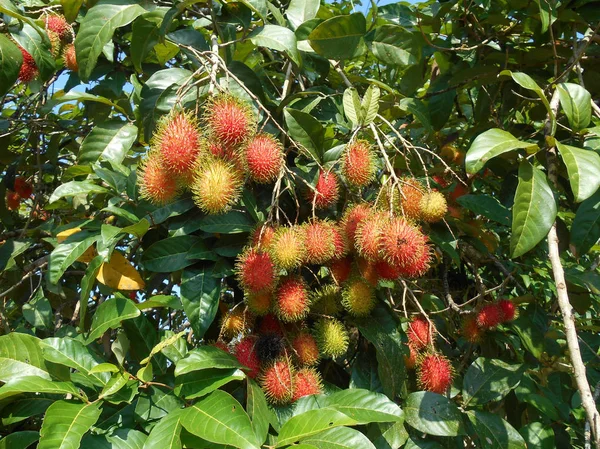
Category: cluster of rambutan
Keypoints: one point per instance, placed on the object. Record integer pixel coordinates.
(414, 201)
(213, 164)
(488, 317)
(22, 190)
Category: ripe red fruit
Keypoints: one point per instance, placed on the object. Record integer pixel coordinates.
(292, 301)
(157, 185)
(401, 243)
(353, 217)
(262, 236)
(339, 241)
(221, 345)
(439, 180)
(29, 68)
(57, 23)
(471, 330)
(368, 270)
(269, 324)
(255, 271)
(410, 198)
(387, 271)
(459, 190)
(70, 58)
(411, 360)
(13, 200)
(217, 185)
(434, 373)
(305, 349)
(319, 242)
(368, 236)
(23, 188)
(177, 140)
(418, 333)
(358, 164)
(489, 316)
(245, 352)
(418, 267)
(263, 158)
(508, 309)
(229, 119)
(340, 269)
(277, 382)
(307, 381)
(326, 192)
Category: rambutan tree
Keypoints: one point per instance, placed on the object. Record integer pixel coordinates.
(269, 224)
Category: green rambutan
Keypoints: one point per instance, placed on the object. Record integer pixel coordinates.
(471, 330)
(420, 333)
(235, 322)
(263, 158)
(305, 349)
(291, 299)
(228, 119)
(55, 43)
(216, 186)
(410, 198)
(287, 247)
(434, 373)
(177, 140)
(70, 58)
(332, 337)
(507, 307)
(245, 353)
(358, 164)
(277, 381)
(353, 217)
(326, 192)
(307, 381)
(319, 242)
(326, 300)
(358, 297)
(255, 271)
(433, 206)
(29, 70)
(489, 316)
(259, 303)
(340, 269)
(156, 184)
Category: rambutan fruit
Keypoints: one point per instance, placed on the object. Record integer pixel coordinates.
(369, 234)
(340, 269)
(506, 306)
(319, 242)
(489, 316)
(156, 184)
(358, 164)
(216, 186)
(259, 303)
(287, 247)
(471, 330)
(387, 271)
(263, 158)
(418, 267)
(217, 149)
(419, 334)
(410, 198)
(411, 360)
(56, 23)
(291, 300)
(23, 188)
(70, 58)
(255, 271)
(245, 353)
(177, 140)
(440, 181)
(307, 381)
(221, 345)
(353, 217)
(358, 297)
(55, 43)
(326, 300)
(305, 349)
(326, 192)
(339, 241)
(29, 70)
(401, 243)
(269, 324)
(262, 236)
(13, 200)
(229, 119)
(433, 206)
(368, 270)
(434, 373)
(277, 381)
(332, 337)
(269, 347)
(235, 322)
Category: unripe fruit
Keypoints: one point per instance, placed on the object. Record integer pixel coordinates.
(307, 381)
(332, 337)
(13, 200)
(255, 271)
(29, 68)
(369, 234)
(277, 382)
(259, 303)
(340, 269)
(23, 188)
(263, 158)
(410, 198)
(433, 207)
(470, 330)
(292, 302)
(56, 23)
(229, 119)
(177, 140)
(358, 297)
(262, 236)
(506, 306)
(269, 347)
(489, 316)
(326, 192)
(55, 43)
(245, 352)
(401, 243)
(358, 164)
(217, 185)
(418, 333)
(319, 242)
(326, 300)
(70, 58)
(234, 323)
(157, 185)
(305, 349)
(287, 248)
(434, 373)
(353, 217)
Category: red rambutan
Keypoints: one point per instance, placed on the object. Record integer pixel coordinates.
(29, 68)
(177, 140)
(326, 192)
(401, 243)
(353, 217)
(410, 198)
(70, 58)
(217, 185)
(440, 181)
(23, 188)
(245, 352)
(418, 333)
(411, 360)
(269, 324)
(434, 373)
(358, 164)
(277, 381)
(368, 270)
(229, 119)
(287, 247)
(157, 185)
(221, 345)
(340, 269)
(489, 316)
(506, 306)
(319, 242)
(292, 301)
(471, 330)
(387, 271)
(255, 271)
(369, 235)
(263, 158)
(339, 241)
(262, 236)
(56, 23)
(418, 267)
(13, 200)
(305, 349)
(307, 381)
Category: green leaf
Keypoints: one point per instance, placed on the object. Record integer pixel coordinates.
(546, 16)
(494, 432)
(116, 382)
(167, 433)
(35, 384)
(67, 252)
(97, 29)
(364, 406)
(489, 380)
(486, 205)
(73, 188)
(22, 409)
(21, 355)
(583, 167)
(155, 403)
(585, 231)
(258, 6)
(127, 439)
(338, 37)
(311, 422)
(370, 104)
(72, 353)
(109, 315)
(19, 440)
(277, 38)
(544, 405)
(232, 222)
(170, 254)
(538, 436)
(576, 101)
(417, 108)
(104, 368)
(65, 423)
(82, 97)
(531, 336)
(220, 419)
(145, 35)
(299, 11)
(199, 383)
(490, 144)
(156, 301)
(38, 311)
(352, 107)
(13, 369)
(200, 293)
(433, 414)
(87, 283)
(108, 141)
(339, 438)
(10, 64)
(394, 45)
(71, 9)
(36, 42)
(306, 130)
(205, 357)
(388, 435)
(258, 410)
(534, 210)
